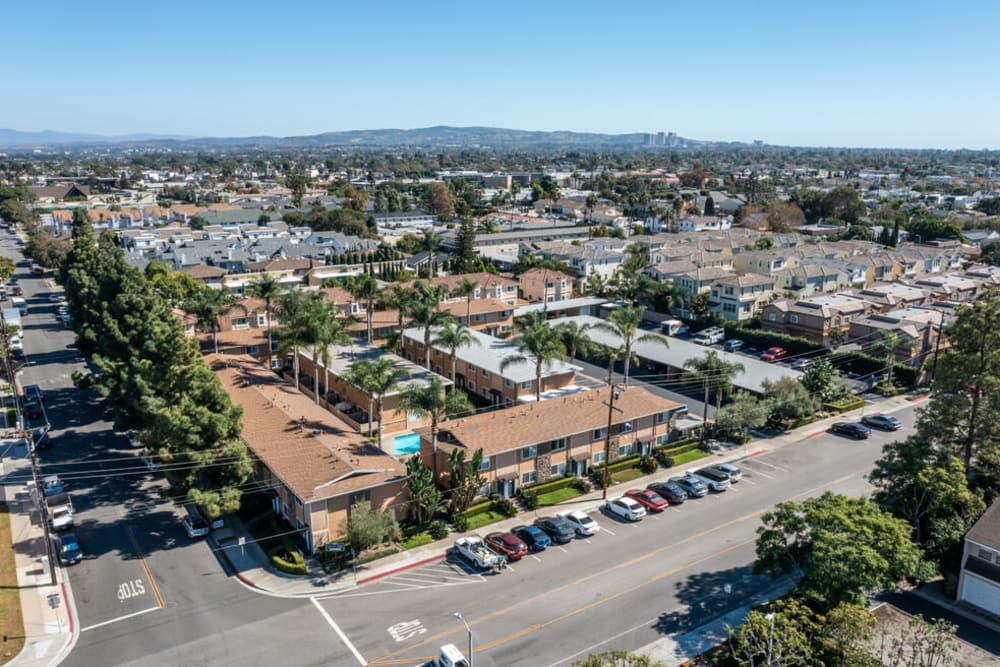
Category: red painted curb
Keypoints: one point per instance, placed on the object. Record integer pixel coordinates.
(920, 400)
(236, 573)
(757, 453)
(401, 568)
(815, 433)
(69, 612)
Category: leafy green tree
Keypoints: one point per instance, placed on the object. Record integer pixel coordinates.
(595, 285)
(424, 311)
(7, 268)
(453, 336)
(743, 413)
(174, 286)
(376, 377)
(208, 306)
(780, 637)
(322, 326)
(886, 344)
(623, 323)
(715, 374)
(789, 399)
(425, 498)
(465, 480)
(818, 378)
(431, 400)
(841, 547)
(365, 288)
(538, 343)
(270, 290)
(843, 203)
(920, 644)
(467, 289)
(439, 199)
(574, 338)
(617, 659)
(367, 527)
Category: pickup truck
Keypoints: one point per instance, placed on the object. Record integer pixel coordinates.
(710, 336)
(60, 511)
(475, 551)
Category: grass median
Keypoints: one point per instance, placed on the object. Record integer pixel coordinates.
(11, 624)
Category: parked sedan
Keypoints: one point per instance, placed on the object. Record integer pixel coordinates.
(674, 494)
(195, 527)
(557, 528)
(33, 410)
(52, 485)
(68, 548)
(695, 488)
(534, 537)
(651, 500)
(626, 508)
(856, 430)
(583, 522)
(884, 422)
(773, 354)
(735, 474)
(507, 544)
(733, 345)
(33, 392)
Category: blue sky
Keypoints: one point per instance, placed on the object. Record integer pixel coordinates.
(886, 73)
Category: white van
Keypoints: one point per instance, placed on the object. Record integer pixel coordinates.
(19, 303)
(673, 327)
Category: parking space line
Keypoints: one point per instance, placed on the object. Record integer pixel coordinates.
(607, 531)
(749, 481)
(120, 618)
(674, 509)
(340, 633)
(535, 557)
(561, 549)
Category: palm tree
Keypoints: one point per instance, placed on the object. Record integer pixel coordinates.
(401, 299)
(574, 338)
(452, 336)
(365, 288)
(467, 289)
(322, 328)
(335, 333)
(208, 306)
(715, 373)
(537, 342)
(623, 322)
(291, 310)
(376, 378)
(425, 498)
(888, 344)
(424, 313)
(269, 289)
(590, 205)
(431, 242)
(433, 401)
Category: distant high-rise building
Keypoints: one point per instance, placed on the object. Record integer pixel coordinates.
(672, 139)
(661, 139)
(649, 139)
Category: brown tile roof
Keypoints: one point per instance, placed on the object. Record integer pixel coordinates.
(315, 454)
(513, 428)
(486, 281)
(479, 306)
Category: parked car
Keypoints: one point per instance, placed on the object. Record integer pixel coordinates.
(68, 548)
(735, 473)
(195, 526)
(583, 522)
(533, 536)
(33, 392)
(56, 297)
(714, 479)
(200, 513)
(133, 438)
(51, 485)
(800, 364)
(884, 422)
(733, 345)
(40, 437)
(17, 290)
(558, 529)
(695, 488)
(507, 544)
(674, 494)
(33, 409)
(856, 430)
(773, 354)
(651, 500)
(625, 508)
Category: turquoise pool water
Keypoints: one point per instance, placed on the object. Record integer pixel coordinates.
(406, 444)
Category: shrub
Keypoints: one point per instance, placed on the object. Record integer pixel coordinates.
(460, 521)
(505, 506)
(479, 508)
(582, 485)
(381, 553)
(648, 465)
(529, 498)
(438, 530)
(844, 404)
(417, 540)
(866, 364)
(288, 559)
(550, 485)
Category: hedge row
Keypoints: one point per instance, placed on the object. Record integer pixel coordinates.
(501, 505)
(289, 561)
(764, 339)
(866, 364)
(673, 450)
(550, 485)
(845, 404)
(623, 463)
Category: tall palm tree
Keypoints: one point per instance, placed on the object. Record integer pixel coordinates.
(425, 313)
(888, 344)
(467, 289)
(434, 401)
(623, 322)
(269, 289)
(335, 333)
(365, 288)
(714, 373)
(430, 242)
(322, 328)
(376, 378)
(574, 338)
(452, 336)
(208, 306)
(291, 311)
(537, 342)
(400, 298)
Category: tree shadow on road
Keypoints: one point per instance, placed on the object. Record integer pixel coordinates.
(708, 595)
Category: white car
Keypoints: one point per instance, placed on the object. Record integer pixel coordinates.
(583, 522)
(626, 508)
(195, 527)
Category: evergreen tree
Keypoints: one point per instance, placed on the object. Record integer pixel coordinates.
(465, 258)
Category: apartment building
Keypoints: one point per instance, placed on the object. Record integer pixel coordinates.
(825, 319)
(740, 298)
(545, 286)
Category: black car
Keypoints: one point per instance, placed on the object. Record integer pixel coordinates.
(674, 494)
(856, 430)
(40, 436)
(884, 422)
(559, 529)
(534, 537)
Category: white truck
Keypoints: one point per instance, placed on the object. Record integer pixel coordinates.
(448, 656)
(710, 336)
(60, 511)
(475, 551)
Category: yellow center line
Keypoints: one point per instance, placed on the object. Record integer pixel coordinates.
(145, 567)
(386, 659)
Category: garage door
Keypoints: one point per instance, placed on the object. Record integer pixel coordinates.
(981, 593)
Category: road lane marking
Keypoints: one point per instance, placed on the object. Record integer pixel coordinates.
(561, 549)
(340, 633)
(120, 618)
(386, 659)
(145, 566)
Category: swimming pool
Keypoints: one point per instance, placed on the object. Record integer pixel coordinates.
(406, 444)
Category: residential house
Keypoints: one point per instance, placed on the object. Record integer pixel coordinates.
(562, 436)
(494, 317)
(808, 279)
(916, 329)
(702, 223)
(825, 319)
(700, 281)
(979, 579)
(739, 298)
(950, 287)
(540, 285)
(893, 296)
(488, 285)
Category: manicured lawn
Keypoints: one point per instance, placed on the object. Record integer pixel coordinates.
(557, 496)
(10, 597)
(484, 519)
(416, 540)
(626, 475)
(687, 457)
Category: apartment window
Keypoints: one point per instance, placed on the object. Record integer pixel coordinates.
(526, 385)
(240, 322)
(254, 350)
(472, 369)
(985, 554)
(772, 317)
(558, 469)
(262, 320)
(360, 496)
(600, 433)
(529, 477)
(486, 373)
(559, 445)
(486, 392)
(662, 417)
(598, 458)
(485, 465)
(479, 318)
(275, 345)
(625, 450)
(472, 385)
(529, 452)
(794, 319)
(509, 383)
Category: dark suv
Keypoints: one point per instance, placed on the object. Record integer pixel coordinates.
(559, 529)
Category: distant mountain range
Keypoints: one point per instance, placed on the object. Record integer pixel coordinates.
(437, 137)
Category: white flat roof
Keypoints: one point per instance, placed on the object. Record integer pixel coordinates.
(343, 357)
(681, 350)
(579, 302)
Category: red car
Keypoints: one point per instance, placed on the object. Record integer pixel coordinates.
(651, 500)
(773, 354)
(507, 544)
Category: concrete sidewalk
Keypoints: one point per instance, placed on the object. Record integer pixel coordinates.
(251, 566)
(48, 611)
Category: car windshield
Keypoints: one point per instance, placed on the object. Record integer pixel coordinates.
(70, 546)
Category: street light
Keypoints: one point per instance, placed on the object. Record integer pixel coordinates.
(458, 615)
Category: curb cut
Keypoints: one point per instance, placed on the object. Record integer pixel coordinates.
(408, 566)
(228, 564)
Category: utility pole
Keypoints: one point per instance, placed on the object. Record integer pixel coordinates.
(607, 436)
(937, 347)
